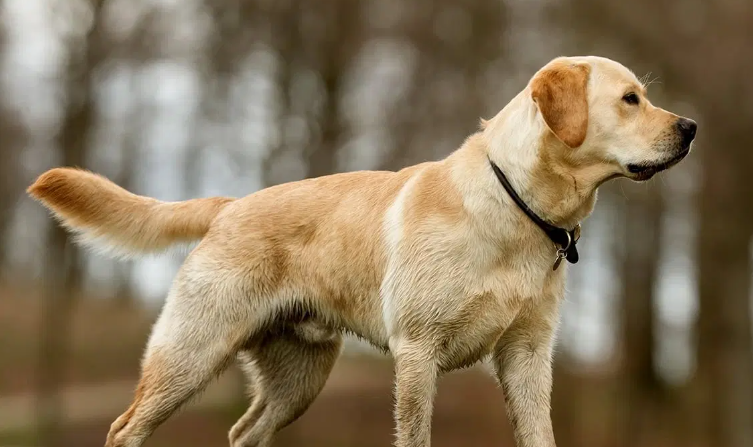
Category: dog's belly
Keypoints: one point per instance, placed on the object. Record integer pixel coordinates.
(362, 318)
(357, 315)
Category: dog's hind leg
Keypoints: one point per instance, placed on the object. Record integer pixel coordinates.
(204, 323)
(287, 371)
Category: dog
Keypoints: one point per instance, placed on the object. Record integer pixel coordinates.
(442, 264)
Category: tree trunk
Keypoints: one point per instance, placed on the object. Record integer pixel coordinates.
(122, 279)
(13, 136)
(62, 283)
(339, 45)
(640, 263)
(288, 45)
(63, 267)
(322, 159)
(725, 359)
(63, 275)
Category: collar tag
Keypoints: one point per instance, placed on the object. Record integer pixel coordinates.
(561, 254)
(565, 252)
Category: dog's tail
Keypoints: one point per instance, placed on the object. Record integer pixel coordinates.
(116, 221)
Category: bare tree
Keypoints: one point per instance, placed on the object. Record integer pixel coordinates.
(63, 260)
(330, 55)
(725, 366)
(642, 387)
(13, 135)
(456, 41)
(287, 42)
(122, 282)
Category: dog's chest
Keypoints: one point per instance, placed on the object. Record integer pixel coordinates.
(460, 287)
(480, 318)
(471, 332)
(492, 299)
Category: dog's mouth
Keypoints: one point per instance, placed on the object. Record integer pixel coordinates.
(644, 171)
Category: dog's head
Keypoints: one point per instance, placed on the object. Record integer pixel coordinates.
(598, 119)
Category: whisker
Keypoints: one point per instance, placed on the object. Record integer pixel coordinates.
(646, 80)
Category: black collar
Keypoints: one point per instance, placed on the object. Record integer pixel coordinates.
(564, 240)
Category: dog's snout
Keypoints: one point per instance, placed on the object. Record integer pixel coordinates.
(687, 129)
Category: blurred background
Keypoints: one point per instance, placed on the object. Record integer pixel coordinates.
(186, 98)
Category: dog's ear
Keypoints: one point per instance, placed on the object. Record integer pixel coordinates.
(560, 91)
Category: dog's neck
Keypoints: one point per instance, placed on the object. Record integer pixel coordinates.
(516, 139)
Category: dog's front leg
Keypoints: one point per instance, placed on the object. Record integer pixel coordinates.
(523, 364)
(416, 381)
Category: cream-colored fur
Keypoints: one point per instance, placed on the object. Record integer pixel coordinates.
(434, 263)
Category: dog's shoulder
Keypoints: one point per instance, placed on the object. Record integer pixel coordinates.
(432, 197)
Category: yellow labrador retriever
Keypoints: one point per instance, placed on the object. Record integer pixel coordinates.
(442, 264)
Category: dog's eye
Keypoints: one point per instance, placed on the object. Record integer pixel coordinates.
(631, 98)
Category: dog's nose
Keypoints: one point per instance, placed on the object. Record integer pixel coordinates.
(687, 128)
